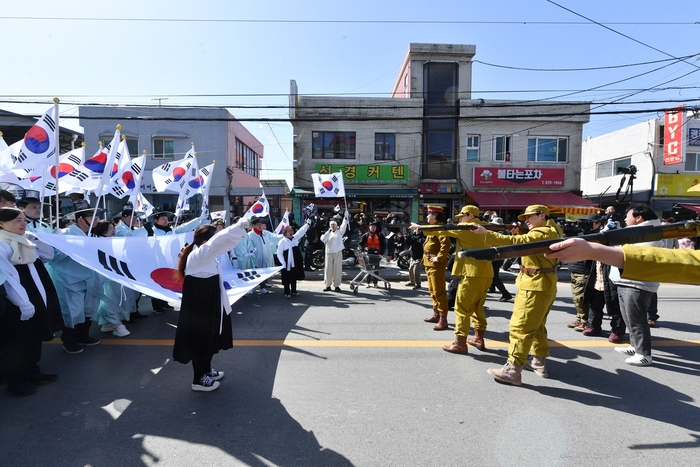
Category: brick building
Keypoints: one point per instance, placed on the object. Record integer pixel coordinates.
(430, 142)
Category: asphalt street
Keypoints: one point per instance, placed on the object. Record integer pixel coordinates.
(336, 379)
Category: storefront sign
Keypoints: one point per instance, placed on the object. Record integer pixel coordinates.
(498, 176)
(676, 184)
(693, 136)
(368, 174)
(673, 136)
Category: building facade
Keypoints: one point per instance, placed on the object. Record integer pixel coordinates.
(166, 134)
(431, 143)
(663, 170)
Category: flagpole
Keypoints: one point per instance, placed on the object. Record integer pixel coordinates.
(110, 161)
(57, 133)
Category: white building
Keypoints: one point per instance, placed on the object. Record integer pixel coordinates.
(661, 181)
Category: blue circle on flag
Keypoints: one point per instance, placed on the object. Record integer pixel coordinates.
(37, 140)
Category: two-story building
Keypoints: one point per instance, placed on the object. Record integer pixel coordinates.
(167, 133)
(430, 142)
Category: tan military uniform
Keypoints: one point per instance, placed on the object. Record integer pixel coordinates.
(678, 266)
(439, 247)
(537, 289)
(476, 278)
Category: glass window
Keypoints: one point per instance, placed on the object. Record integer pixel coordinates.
(333, 145)
(547, 149)
(247, 159)
(501, 148)
(609, 168)
(384, 146)
(131, 143)
(691, 162)
(163, 148)
(473, 148)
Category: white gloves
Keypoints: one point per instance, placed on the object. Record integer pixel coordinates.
(27, 311)
(243, 223)
(250, 253)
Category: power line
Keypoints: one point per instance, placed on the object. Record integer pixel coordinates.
(338, 21)
(609, 67)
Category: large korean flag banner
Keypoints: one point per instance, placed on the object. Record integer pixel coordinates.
(39, 142)
(261, 208)
(329, 185)
(148, 264)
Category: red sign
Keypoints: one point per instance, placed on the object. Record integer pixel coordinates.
(673, 136)
(499, 176)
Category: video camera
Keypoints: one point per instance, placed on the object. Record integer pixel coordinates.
(631, 170)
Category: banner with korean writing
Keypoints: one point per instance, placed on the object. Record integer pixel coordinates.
(676, 184)
(368, 174)
(673, 136)
(500, 176)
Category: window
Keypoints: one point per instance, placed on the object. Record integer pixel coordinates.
(132, 144)
(547, 149)
(163, 148)
(609, 168)
(473, 148)
(692, 162)
(384, 147)
(501, 148)
(246, 159)
(333, 145)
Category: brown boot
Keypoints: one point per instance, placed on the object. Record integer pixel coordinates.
(509, 374)
(442, 324)
(433, 319)
(458, 346)
(477, 340)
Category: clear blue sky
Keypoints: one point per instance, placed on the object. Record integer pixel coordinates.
(245, 53)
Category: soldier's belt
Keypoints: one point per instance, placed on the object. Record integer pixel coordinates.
(533, 271)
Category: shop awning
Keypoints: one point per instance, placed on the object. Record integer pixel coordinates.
(558, 203)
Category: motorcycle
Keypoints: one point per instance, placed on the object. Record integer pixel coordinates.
(318, 259)
(403, 261)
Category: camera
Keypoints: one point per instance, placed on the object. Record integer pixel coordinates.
(631, 170)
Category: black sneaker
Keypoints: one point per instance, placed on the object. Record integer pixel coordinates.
(89, 341)
(215, 375)
(295, 294)
(168, 307)
(327, 289)
(205, 384)
(158, 311)
(337, 289)
(21, 389)
(42, 378)
(72, 348)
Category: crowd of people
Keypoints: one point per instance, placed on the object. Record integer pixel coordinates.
(43, 291)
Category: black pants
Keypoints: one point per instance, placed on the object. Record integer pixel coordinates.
(289, 281)
(497, 282)
(20, 346)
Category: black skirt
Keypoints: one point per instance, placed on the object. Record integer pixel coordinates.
(200, 318)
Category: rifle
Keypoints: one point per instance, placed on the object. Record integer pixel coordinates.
(489, 227)
(646, 233)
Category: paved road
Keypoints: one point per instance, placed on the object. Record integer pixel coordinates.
(332, 379)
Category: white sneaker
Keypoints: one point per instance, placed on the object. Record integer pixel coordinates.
(109, 327)
(264, 291)
(205, 384)
(120, 331)
(627, 350)
(639, 360)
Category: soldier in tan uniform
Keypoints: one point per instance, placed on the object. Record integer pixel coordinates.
(476, 277)
(436, 251)
(537, 289)
(677, 266)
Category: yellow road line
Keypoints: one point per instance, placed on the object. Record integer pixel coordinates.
(382, 343)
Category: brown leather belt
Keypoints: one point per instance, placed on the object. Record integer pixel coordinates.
(532, 271)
